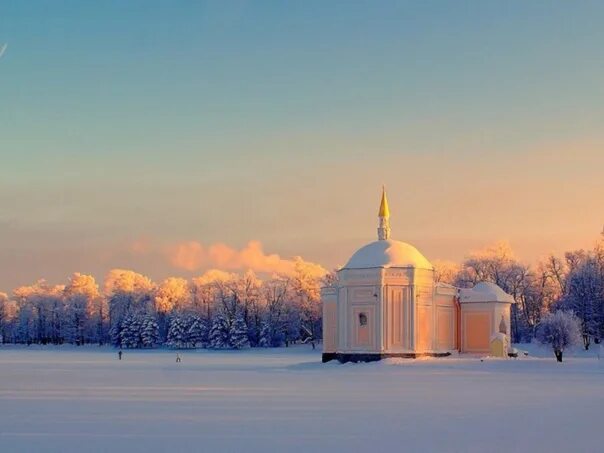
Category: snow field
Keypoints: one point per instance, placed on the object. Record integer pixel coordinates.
(68, 399)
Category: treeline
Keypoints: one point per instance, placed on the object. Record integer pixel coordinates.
(221, 310)
(574, 283)
(216, 310)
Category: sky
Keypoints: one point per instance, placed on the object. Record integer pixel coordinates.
(174, 137)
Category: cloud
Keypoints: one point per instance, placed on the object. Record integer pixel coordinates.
(3, 49)
(140, 246)
(186, 255)
(194, 256)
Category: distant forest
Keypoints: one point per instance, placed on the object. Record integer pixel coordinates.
(229, 311)
(216, 310)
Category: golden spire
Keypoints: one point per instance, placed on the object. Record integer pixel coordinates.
(384, 214)
(384, 211)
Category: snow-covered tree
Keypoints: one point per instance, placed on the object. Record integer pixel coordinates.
(219, 332)
(247, 293)
(265, 337)
(178, 333)
(41, 313)
(198, 332)
(585, 294)
(173, 294)
(25, 325)
(271, 334)
(127, 292)
(149, 332)
(8, 313)
(238, 338)
(306, 285)
(83, 310)
(560, 330)
(330, 279)
(76, 319)
(115, 333)
(293, 327)
(131, 332)
(204, 292)
(446, 271)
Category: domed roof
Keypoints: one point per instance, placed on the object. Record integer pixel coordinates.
(485, 292)
(387, 253)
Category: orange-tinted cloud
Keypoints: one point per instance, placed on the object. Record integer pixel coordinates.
(186, 255)
(193, 256)
(140, 246)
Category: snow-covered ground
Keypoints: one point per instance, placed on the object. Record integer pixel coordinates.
(83, 399)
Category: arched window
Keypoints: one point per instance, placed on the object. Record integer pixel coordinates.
(503, 328)
(362, 319)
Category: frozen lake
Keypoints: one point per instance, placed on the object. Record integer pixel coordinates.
(68, 399)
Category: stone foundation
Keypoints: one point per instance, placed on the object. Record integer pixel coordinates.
(328, 356)
(374, 357)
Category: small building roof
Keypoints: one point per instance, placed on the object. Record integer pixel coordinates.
(484, 292)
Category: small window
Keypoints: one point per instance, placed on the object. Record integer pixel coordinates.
(503, 328)
(362, 319)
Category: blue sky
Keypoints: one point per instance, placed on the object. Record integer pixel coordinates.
(279, 121)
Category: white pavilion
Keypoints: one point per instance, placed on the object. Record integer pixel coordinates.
(385, 303)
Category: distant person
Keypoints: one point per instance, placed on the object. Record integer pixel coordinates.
(312, 342)
(119, 354)
(177, 358)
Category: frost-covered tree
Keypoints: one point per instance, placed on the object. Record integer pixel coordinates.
(238, 332)
(131, 332)
(446, 271)
(265, 336)
(76, 319)
(557, 270)
(275, 293)
(271, 334)
(560, 330)
(178, 333)
(219, 332)
(204, 292)
(83, 310)
(41, 313)
(293, 328)
(8, 313)
(115, 333)
(585, 294)
(306, 308)
(173, 294)
(198, 332)
(127, 292)
(330, 279)
(149, 332)
(247, 293)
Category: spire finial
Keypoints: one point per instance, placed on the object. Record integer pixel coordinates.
(384, 211)
(384, 215)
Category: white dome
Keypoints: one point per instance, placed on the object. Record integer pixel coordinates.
(485, 292)
(388, 253)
